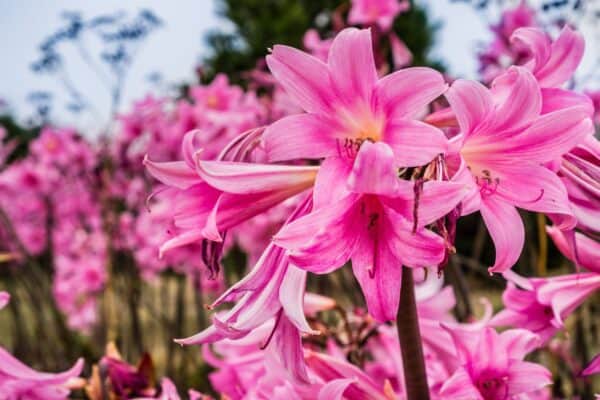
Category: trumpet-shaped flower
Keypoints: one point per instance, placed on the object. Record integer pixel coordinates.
(370, 221)
(346, 105)
(503, 142)
(213, 196)
(492, 366)
(542, 304)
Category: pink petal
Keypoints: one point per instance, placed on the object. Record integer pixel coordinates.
(373, 171)
(471, 102)
(460, 387)
(4, 299)
(301, 136)
(554, 99)
(567, 52)
(437, 199)
(379, 274)
(588, 250)
(538, 43)
(422, 248)
(249, 178)
(323, 240)
(525, 377)
(506, 228)
(401, 54)
(414, 143)
(291, 296)
(330, 185)
(352, 65)
(518, 99)
(407, 92)
(550, 136)
(304, 77)
(519, 342)
(534, 188)
(287, 345)
(173, 173)
(334, 390)
(593, 367)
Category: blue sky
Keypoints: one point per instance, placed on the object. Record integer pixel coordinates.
(173, 50)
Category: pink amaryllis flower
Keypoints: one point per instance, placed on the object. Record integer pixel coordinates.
(552, 62)
(213, 196)
(503, 142)
(492, 366)
(380, 12)
(346, 104)
(370, 221)
(541, 305)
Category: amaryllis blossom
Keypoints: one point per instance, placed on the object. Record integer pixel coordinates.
(492, 366)
(380, 12)
(213, 196)
(552, 62)
(372, 224)
(346, 104)
(542, 304)
(503, 142)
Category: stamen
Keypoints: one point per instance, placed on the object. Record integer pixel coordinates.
(264, 346)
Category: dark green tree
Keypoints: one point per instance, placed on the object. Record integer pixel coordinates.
(259, 24)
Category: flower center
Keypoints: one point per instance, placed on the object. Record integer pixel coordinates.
(492, 386)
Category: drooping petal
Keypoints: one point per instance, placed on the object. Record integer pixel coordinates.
(373, 171)
(304, 77)
(352, 65)
(518, 99)
(291, 296)
(173, 173)
(506, 228)
(249, 178)
(379, 274)
(323, 240)
(538, 43)
(407, 92)
(303, 136)
(422, 248)
(566, 54)
(436, 199)
(414, 143)
(286, 344)
(471, 102)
